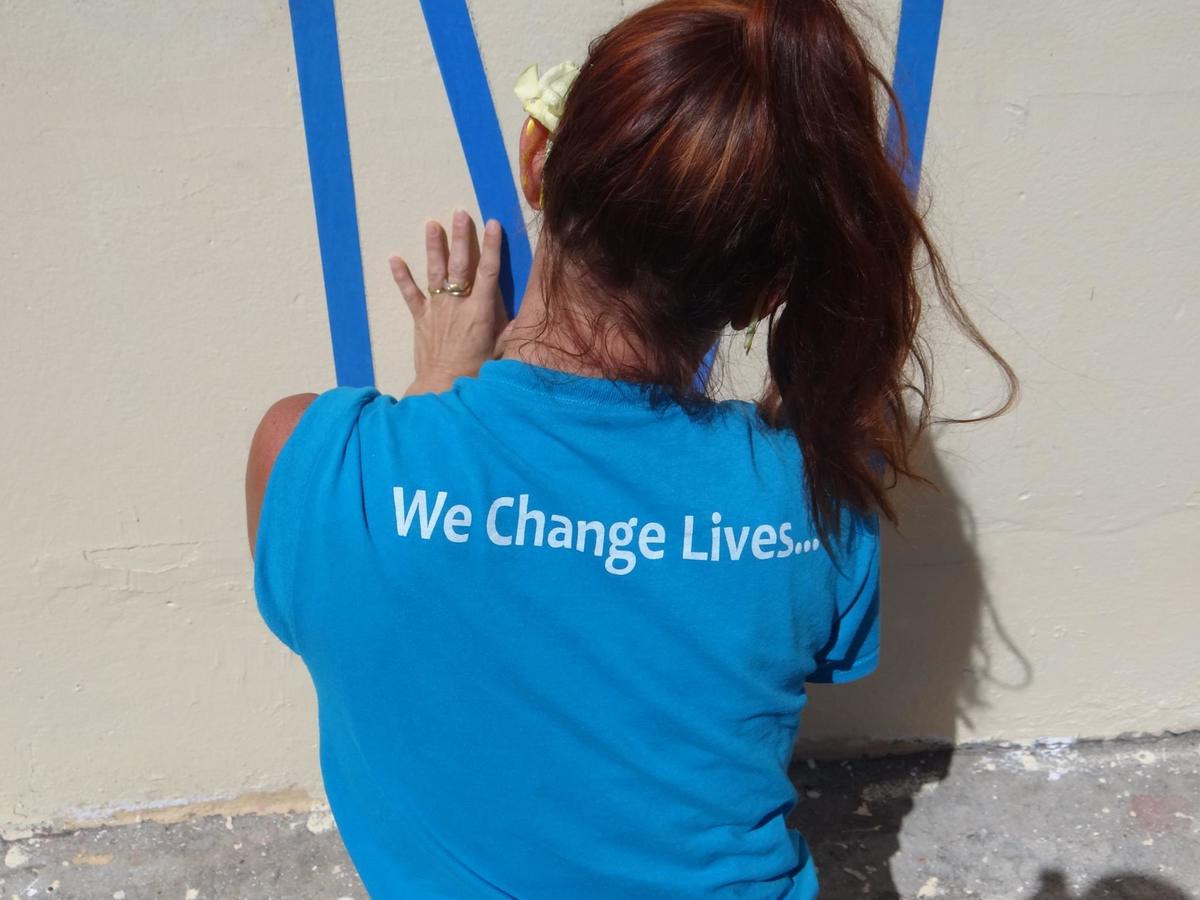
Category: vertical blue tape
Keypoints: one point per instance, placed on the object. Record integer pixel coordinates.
(912, 79)
(319, 71)
(318, 67)
(470, 96)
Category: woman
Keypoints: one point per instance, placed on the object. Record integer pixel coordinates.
(559, 609)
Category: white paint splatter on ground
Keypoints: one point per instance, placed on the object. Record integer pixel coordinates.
(1054, 757)
(930, 888)
(320, 821)
(91, 859)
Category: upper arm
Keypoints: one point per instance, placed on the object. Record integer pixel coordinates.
(852, 651)
(272, 433)
(303, 472)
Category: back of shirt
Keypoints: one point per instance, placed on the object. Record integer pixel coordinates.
(559, 635)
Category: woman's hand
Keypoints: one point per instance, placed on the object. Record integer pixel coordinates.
(454, 335)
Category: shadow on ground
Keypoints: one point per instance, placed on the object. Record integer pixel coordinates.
(933, 595)
(1119, 886)
(1104, 820)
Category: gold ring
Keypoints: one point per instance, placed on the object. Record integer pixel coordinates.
(451, 287)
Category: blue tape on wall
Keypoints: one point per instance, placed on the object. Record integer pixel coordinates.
(319, 71)
(318, 66)
(912, 79)
(706, 367)
(457, 52)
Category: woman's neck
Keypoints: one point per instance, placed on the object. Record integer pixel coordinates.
(565, 340)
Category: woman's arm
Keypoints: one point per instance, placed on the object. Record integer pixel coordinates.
(272, 433)
(454, 336)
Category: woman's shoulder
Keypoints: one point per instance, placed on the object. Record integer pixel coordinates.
(748, 415)
(339, 414)
(737, 429)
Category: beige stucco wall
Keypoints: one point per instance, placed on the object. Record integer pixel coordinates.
(161, 286)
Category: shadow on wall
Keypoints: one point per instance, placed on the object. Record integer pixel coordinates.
(934, 608)
(931, 665)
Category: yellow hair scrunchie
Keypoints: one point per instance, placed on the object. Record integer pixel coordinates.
(543, 97)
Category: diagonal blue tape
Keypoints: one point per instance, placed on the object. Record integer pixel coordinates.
(912, 79)
(319, 71)
(706, 367)
(452, 33)
(457, 52)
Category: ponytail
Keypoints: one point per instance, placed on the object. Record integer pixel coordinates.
(744, 166)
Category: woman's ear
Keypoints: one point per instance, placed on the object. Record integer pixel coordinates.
(532, 159)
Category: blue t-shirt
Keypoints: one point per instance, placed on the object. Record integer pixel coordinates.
(559, 635)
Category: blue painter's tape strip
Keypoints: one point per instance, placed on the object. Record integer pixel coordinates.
(706, 367)
(470, 96)
(319, 70)
(912, 79)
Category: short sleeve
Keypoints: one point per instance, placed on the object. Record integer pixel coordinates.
(852, 651)
(318, 441)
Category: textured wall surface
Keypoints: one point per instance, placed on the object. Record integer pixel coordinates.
(162, 286)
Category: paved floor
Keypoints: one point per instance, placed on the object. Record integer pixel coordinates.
(1113, 820)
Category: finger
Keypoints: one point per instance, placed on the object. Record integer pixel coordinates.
(463, 248)
(488, 273)
(435, 253)
(408, 287)
(489, 257)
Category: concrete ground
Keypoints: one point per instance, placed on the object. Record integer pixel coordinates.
(1083, 821)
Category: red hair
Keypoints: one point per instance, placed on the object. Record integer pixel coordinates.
(715, 157)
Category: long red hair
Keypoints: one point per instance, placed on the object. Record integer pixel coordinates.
(714, 155)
